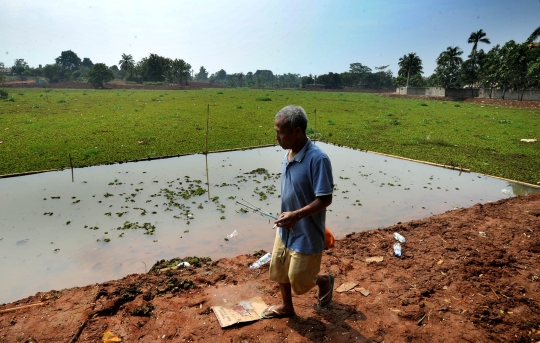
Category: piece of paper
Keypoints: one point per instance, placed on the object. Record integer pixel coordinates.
(244, 311)
(347, 286)
(374, 259)
(362, 290)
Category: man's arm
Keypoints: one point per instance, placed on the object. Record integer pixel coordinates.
(287, 220)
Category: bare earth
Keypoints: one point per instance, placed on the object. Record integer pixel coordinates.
(467, 275)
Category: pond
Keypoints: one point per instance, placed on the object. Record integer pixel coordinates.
(120, 219)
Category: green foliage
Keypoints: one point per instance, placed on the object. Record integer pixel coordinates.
(263, 98)
(409, 65)
(55, 73)
(484, 139)
(68, 60)
(3, 94)
(100, 74)
(448, 67)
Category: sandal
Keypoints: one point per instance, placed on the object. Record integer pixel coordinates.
(275, 313)
(329, 295)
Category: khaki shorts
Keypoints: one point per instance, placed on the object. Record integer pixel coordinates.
(300, 270)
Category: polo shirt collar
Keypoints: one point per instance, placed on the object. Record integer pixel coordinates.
(300, 156)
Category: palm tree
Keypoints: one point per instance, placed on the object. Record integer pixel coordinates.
(127, 62)
(475, 38)
(534, 35)
(409, 65)
(448, 64)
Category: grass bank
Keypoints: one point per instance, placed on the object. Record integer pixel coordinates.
(41, 128)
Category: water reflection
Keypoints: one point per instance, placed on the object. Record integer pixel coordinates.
(61, 234)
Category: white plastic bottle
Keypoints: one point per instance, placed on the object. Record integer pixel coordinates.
(399, 237)
(397, 249)
(263, 260)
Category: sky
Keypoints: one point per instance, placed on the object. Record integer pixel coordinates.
(285, 36)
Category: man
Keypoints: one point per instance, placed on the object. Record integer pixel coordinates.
(306, 191)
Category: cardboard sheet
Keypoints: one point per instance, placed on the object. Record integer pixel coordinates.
(244, 311)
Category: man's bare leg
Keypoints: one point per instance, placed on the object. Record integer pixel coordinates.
(324, 282)
(286, 308)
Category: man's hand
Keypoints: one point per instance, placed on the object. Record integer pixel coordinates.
(287, 220)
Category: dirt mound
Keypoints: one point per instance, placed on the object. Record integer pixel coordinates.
(468, 275)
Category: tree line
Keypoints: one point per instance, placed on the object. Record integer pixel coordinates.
(512, 66)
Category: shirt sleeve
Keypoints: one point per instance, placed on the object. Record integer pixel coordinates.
(323, 183)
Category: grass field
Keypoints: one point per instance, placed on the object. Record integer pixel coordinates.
(41, 128)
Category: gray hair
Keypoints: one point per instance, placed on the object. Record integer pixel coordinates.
(295, 116)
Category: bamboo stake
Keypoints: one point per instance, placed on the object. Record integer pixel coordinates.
(315, 127)
(206, 151)
(71, 164)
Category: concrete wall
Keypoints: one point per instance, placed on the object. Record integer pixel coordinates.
(461, 92)
(435, 91)
(432, 91)
(528, 95)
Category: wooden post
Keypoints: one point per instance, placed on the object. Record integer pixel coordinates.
(71, 164)
(206, 150)
(315, 126)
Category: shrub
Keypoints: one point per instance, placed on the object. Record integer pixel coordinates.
(264, 98)
(3, 94)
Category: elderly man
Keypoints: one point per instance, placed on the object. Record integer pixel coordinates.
(306, 191)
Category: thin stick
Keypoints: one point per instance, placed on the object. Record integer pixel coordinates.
(71, 164)
(494, 293)
(21, 307)
(144, 266)
(315, 127)
(206, 154)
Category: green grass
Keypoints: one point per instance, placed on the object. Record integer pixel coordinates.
(39, 129)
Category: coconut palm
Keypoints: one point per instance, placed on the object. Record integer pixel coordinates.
(475, 38)
(127, 62)
(534, 35)
(409, 65)
(448, 64)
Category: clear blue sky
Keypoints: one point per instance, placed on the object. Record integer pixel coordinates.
(296, 36)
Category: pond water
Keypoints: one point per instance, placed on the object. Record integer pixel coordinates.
(120, 219)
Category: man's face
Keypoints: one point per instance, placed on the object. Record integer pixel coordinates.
(286, 136)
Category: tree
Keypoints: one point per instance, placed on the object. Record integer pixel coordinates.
(19, 65)
(202, 75)
(448, 67)
(534, 35)
(86, 62)
(381, 74)
(409, 65)
(177, 71)
(359, 74)
(219, 77)
(475, 38)
(126, 63)
(240, 76)
(68, 60)
(155, 68)
(54, 73)
(265, 78)
(100, 74)
(331, 80)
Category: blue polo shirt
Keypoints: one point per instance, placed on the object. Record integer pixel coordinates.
(307, 176)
